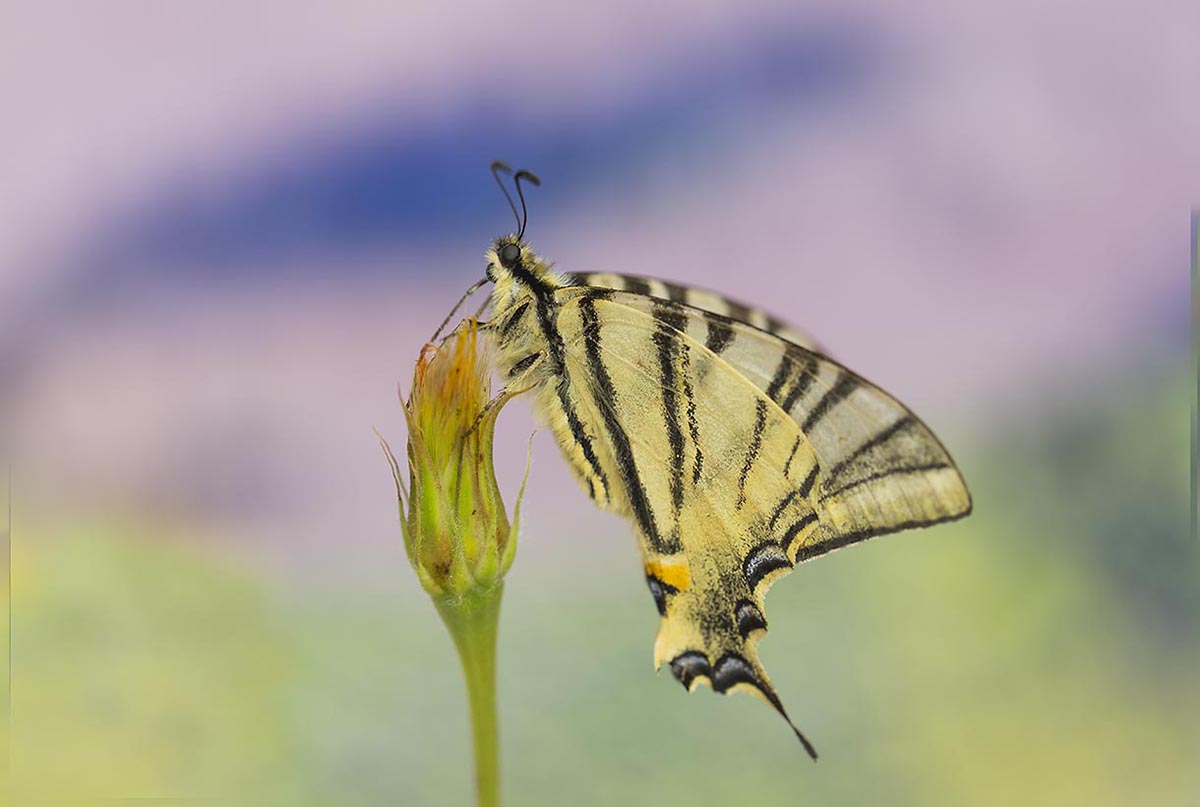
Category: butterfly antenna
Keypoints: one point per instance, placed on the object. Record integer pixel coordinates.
(496, 168)
(474, 288)
(521, 194)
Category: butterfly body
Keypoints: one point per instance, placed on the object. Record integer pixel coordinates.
(734, 445)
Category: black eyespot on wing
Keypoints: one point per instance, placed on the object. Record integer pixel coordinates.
(687, 667)
(510, 255)
(731, 669)
(659, 590)
(762, 560)
(749, 618)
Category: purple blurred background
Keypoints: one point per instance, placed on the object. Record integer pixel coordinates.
(229, 227)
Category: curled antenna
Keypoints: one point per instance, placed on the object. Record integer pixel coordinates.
(474, 288)
(529, 175)
(497, 167)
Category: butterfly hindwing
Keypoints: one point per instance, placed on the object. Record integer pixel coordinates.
(710, 478)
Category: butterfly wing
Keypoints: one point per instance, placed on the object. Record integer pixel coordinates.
(880, 468)
(701, 462)
(699, 299)
(727, 485)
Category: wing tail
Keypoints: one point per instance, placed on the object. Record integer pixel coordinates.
(736, 667)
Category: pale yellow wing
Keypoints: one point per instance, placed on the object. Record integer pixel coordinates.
(881, 469)
(699, 459)
(724, 487)
(701, 299)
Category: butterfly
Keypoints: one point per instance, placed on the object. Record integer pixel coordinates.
(736, 447)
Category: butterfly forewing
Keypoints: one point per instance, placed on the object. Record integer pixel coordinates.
(700, 299)
(880, 468)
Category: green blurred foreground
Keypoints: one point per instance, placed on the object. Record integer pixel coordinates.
(1045, 651)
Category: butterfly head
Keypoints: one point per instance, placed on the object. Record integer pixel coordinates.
(511, 264)
(506, 258)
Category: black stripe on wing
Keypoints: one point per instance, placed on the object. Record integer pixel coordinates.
(833, 396)
(689, 395)
(756, 438)
(559, 360)
(695, 298)
(667, 342)
(605, 399)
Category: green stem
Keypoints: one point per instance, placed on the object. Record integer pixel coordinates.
(472, 623)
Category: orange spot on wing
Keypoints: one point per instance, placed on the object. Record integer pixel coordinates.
(674, 574)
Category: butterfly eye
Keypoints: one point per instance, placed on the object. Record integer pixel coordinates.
(510, 255)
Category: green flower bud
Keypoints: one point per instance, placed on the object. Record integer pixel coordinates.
(456, 531)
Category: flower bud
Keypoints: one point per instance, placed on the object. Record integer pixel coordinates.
(456, 532)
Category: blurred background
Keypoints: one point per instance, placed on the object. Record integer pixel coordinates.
(228, 228)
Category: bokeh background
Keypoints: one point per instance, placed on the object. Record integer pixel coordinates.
(229, 227)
